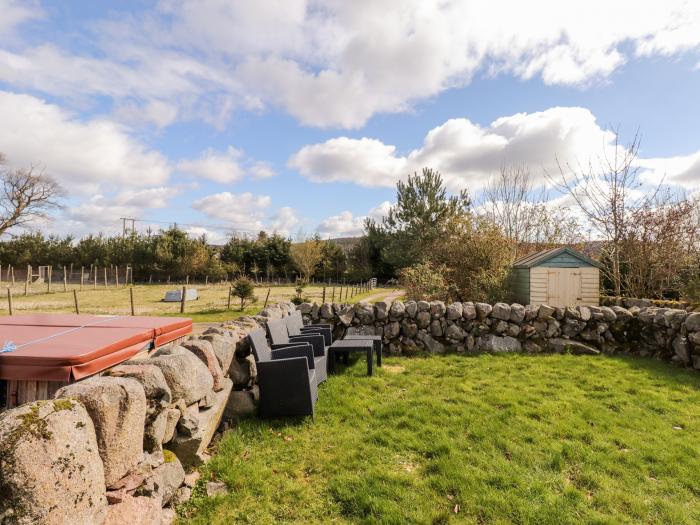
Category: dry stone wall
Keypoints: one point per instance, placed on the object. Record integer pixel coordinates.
(116, 448)
(435, 327)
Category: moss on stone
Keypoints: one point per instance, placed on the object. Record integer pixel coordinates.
(169, 456)
(62, 404)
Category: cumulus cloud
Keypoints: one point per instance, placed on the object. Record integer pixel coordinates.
(243, 211)
(465, 153)
(83, 154)
(356, 58)
(681, 170)
(368, 162)
(345, 224)
(226, 167)
(284, 221)
(148, 198)
(219, 167)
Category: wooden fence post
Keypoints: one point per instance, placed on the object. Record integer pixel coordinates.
(82, 277)
(26, 288)
(12, 271)
(50, 270)
(94, 278)
(228, 302)
(333, 294)
(9, 299)
(75, 300)
(323, 300)
(182, 299)
(65, 279)
(131, 299)
(267, 297)
(105, 272)
(116, 276)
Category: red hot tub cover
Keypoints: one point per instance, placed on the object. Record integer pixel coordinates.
(66, 347)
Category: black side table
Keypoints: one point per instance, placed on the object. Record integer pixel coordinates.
(377, 339)
(347, 346)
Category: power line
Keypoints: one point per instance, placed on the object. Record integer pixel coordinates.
(176, 223)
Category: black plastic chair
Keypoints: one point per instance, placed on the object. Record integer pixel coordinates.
(279, 335)
(295, 326)
(286, 377)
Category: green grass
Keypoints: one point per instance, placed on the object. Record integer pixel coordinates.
(489, 439)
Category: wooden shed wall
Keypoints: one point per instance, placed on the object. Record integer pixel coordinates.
(520, 285)
(589, 292)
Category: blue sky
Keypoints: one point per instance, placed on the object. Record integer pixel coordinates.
(289, 116)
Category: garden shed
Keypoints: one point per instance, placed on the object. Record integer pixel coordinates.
(557, 277)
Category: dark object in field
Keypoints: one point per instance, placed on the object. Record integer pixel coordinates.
(279, 336)
(286, 377)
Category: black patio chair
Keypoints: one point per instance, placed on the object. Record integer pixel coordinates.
(295, 325)
(279, 336)
(286, 377)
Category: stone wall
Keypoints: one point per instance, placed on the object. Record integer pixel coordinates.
(629, 302)
(412, 327)
(116, 448)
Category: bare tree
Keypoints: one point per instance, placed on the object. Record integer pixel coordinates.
(607, 191)
(660, 249)
(26, 194)
(512, 202)
(507, 199)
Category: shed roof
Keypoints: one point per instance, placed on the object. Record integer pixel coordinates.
(538, 258)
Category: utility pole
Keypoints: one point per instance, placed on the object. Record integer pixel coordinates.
(126, 220)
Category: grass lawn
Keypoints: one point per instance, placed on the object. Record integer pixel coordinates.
(491, 439)
(210, 307)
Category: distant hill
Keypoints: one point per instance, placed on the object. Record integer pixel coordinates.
(346, 243)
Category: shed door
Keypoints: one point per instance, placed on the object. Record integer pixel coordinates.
(563, 286)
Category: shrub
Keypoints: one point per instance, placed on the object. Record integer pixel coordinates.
(424, 282)
(301, 284)
(244, 289)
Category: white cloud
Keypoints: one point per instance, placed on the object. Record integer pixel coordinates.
(465, 153)
(148, 198)
(261, 170)
(213, 236)
(16, 12)
(682, 170)
(84, 155)
(368, 162)
(345, 224)
(284, 221)
(223, 168)
(243, 211)
(183, 60)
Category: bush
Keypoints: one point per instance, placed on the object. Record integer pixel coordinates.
(476, 256)
(424, 282)
(244, 289)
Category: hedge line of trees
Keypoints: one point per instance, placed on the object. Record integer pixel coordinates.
(173, 254)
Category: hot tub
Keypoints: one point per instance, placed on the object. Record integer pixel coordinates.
(39, 353)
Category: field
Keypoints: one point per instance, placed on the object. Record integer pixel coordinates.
(553, 439)
(210, 307)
